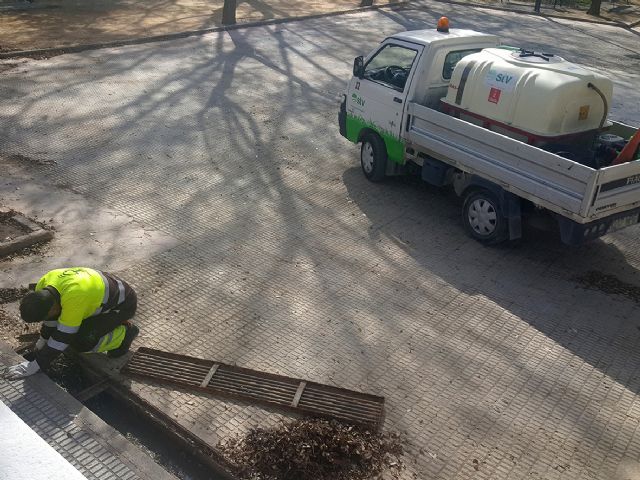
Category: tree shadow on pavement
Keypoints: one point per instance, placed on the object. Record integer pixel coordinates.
(287, 259)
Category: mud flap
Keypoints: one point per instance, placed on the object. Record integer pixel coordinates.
(434, 172)
(511, 207)
(342, 117)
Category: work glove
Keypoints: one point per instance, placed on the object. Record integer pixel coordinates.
(31, 353)
(40, 343)
(21, 370)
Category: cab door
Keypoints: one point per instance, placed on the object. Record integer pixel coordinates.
(377, 99)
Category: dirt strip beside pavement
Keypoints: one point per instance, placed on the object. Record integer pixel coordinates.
(32, 28)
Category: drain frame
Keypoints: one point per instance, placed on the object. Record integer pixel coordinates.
(230, 381)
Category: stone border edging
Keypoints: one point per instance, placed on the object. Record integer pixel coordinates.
(37, 235)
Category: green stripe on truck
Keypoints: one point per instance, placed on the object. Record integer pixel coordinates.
(395, 147)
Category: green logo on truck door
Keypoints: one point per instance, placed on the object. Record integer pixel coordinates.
(357, 99)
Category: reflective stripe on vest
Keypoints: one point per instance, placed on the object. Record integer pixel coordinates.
(108, 337)
(105, 297)
(68, 329)
(121, 291)
(56, 345)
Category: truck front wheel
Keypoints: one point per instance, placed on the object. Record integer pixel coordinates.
(373, 157)
(483, 219)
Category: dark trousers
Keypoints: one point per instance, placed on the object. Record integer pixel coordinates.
(94, 328)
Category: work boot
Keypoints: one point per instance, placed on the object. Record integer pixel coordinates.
(131, 333)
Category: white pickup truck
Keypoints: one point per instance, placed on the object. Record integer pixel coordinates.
(393, 107)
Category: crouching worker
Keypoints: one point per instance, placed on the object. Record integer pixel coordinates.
(85, 309)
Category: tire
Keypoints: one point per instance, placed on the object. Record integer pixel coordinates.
(483, 217)
(373, 157)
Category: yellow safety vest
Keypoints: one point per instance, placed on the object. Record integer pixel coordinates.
(81, 290)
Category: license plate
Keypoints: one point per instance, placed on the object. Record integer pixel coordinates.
(623, 222)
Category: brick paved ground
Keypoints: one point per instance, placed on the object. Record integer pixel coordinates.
(287, 260)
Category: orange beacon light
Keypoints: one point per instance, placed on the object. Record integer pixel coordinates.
(443, 25)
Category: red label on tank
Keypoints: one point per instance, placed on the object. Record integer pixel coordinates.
(494, 95)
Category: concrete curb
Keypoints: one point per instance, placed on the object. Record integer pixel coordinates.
(54, 51)
(79, 435)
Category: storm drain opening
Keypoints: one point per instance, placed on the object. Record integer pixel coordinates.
(178, 458)
(148, 430)
(260, 387)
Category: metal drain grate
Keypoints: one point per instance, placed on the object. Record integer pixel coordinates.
(236, 382)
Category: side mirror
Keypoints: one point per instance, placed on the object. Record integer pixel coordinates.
(358, 67)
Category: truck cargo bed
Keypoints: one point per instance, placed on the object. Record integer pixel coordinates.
(561, 185)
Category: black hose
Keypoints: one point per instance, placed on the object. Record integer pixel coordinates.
(604, 100)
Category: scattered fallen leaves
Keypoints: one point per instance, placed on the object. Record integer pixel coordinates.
(65, 371)
(8, 295)
(314, 449)
(14, 331)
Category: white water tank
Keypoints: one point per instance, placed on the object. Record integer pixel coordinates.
(525, 92)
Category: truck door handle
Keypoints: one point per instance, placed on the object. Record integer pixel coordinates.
(397, 100)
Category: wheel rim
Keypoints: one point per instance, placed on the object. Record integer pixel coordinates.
(367, 157)
(482, 217)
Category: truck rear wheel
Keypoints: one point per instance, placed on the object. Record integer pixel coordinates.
(373, 157)
(483, 219)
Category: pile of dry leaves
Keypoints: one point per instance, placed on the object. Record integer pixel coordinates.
(314, 449)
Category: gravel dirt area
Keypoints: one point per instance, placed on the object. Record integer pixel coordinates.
(14, 331)
(64, 23)
(40, 24)
(10, 229)
(8, 295)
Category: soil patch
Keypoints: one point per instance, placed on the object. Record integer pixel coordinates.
(68, 23)
(610, 284)
(8, 295)
(10, 229)
(18, 334)
(18, 234)
(37, 249)
(15, 332)
(60, 24)
(313, 449)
